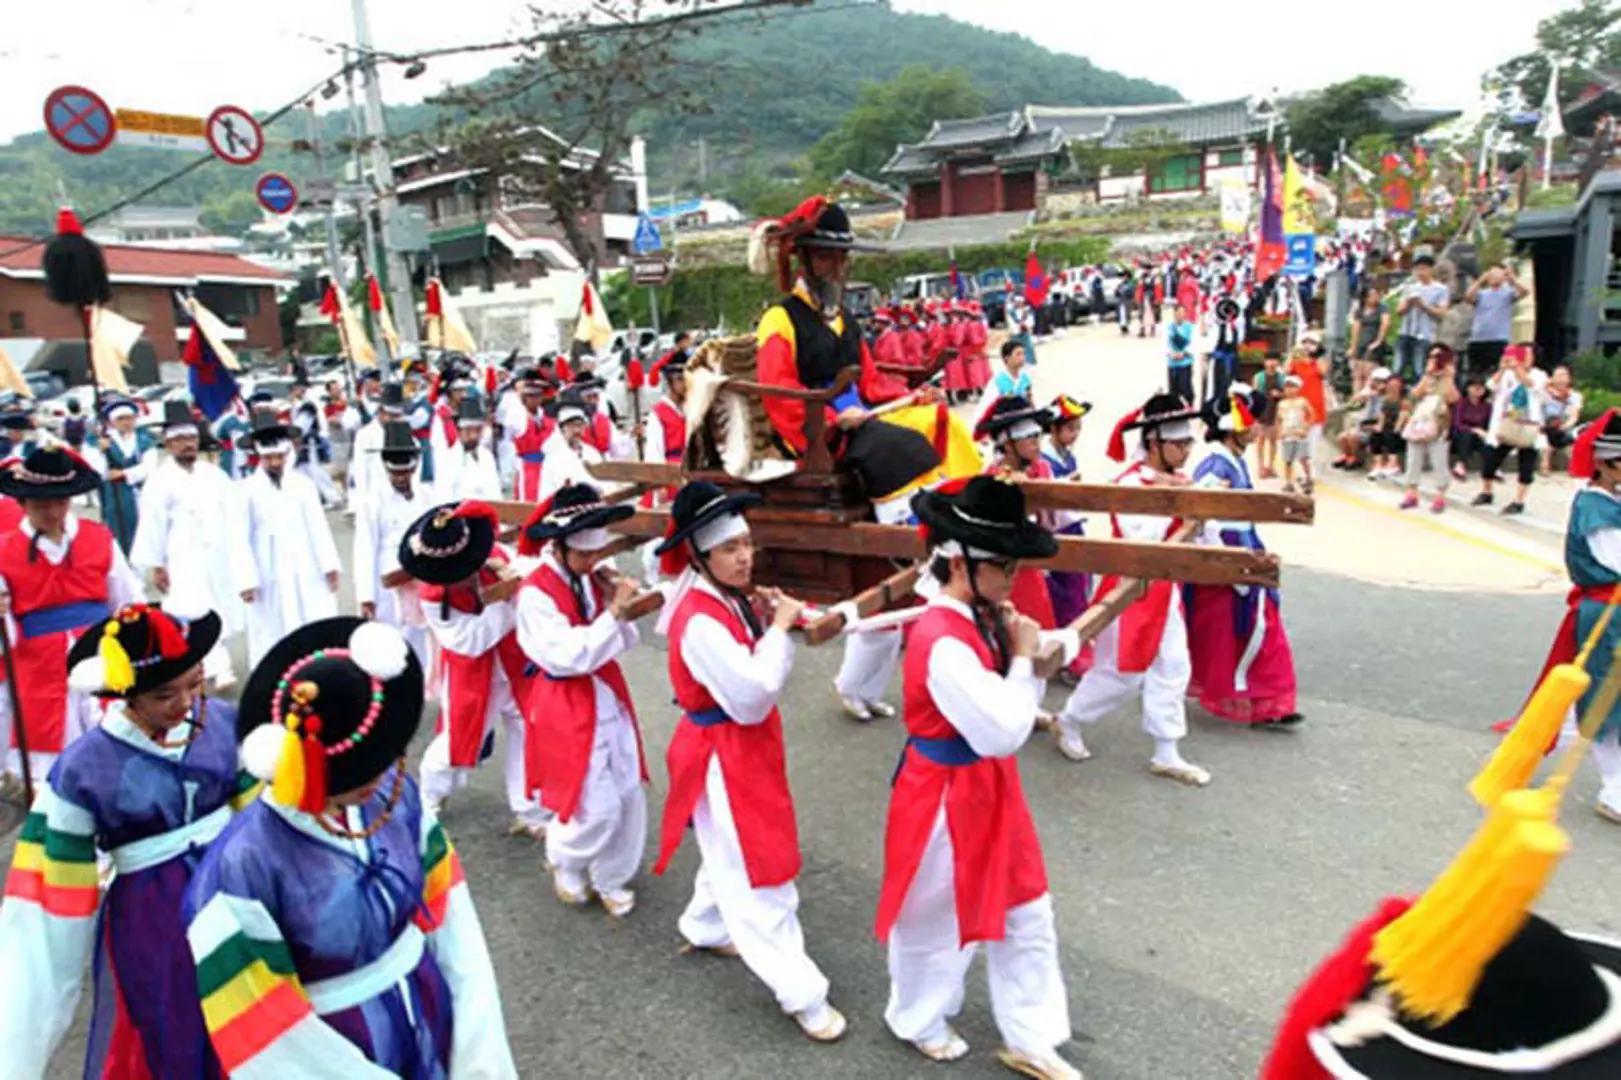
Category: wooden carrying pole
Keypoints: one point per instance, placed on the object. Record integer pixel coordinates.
(897, 586)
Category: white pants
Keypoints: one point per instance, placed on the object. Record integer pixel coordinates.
(601, 845)
(439, 779)
(322, 480)
(868, 665)
(1607, 756)
(762, 922)
(1164, 686)
(928, 966)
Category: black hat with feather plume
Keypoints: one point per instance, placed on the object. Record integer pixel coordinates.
(75, 270)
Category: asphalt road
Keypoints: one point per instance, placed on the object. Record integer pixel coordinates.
(1186, 916)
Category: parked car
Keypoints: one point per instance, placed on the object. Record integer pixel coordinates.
(44, 384)
(861, 299)
(933, 286)
(993, 288)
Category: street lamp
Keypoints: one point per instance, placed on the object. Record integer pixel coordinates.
(415, 68)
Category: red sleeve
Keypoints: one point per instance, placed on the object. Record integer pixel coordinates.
(876, 386)
(776, 366)
(888, 350)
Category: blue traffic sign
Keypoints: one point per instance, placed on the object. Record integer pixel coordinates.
(79, 120)
(647, 238)
(1302, 260)
(276, 193)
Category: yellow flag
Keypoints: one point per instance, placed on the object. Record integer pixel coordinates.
(111, 338)
(352, 334)
(385, 320)
(447, 329)
(10, 377)
(593, 326)
(214, 331)
(1298, 214)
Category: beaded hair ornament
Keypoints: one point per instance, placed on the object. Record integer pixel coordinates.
(289, 752)
(112, 669)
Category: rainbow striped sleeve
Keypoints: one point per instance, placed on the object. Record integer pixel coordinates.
(54, 865)
(441, 872)
(251, 996)
(248, 787)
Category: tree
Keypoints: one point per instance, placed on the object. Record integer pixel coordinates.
(1136, 154)
(230, 214)
(556, 128)
(1345, 110)
(1582, 40)
(887, 114)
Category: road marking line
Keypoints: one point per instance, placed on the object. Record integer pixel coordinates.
(1425, 520)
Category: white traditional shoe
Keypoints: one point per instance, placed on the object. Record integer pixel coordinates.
(571, 896)
(1046, 1067)
(950, 1048)
(823, 1024)
(1046, 721)
(1072, 747)
(855, 710)
(883, 710)
(519, 827)
(618, 902)
(1182, 772)
(726, 950)
(436, 807)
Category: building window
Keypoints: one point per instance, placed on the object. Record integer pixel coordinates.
(17, 322)
(1231, 157)
(1180, 173)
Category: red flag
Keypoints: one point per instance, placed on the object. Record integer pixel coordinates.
(1035, 282)
(435, 302)
(586, 303)
(330, 305)
(374, 295)
(634, 377)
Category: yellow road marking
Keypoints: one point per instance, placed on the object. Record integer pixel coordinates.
(1428, 521)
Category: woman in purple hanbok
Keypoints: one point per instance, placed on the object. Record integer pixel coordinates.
(1243, 669)
(1070, 591)
(147, 790)
(332, 929)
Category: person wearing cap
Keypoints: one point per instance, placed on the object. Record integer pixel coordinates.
(1145, 651)
(568, 450)
(1015, 428)
(480, 679)
(975, 338)
(957, 813)
(60, 575)
(1227, 334)
(1243, 669)
(530, 427)
(284, 564)
(178, 541)
(366, 472)
(955, 339)
(727, 762)
(807, 339)
(600, 433)
(314, 447)
(1070, 590)
(889, 346)
(454, 384)
(145, 790)
(380, 524)
(1355, 440)
(18, 434)
(331, 928)
(666, 436)
(124, 456)
(583, 744)
(418, 413)
(468, 469)
(912, 336)
(227, 431)
(359, 410)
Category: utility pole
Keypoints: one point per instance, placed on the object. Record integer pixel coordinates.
(374, 255)
(333, 256)
(399, 275)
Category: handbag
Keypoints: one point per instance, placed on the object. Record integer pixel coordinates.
(1521, 434)
(1425, 423)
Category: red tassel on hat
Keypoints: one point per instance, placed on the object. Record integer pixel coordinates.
(1325, 996)
(564, 375)
(313, 799)
(170, 639)
(1581, 453)
(527, 547)
(1117, 438)
(674, 561)
(472, 509)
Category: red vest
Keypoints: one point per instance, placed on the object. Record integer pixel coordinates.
(675, 430)
(47, 597)
(468, 680)
(531, 456)
(1143, 623)
(599, 433)
(561, 715)
(11, 513)
(447, 419)
(751, 759)
(995, 850)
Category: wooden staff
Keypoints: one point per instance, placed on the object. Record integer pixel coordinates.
(896, 586)
(17, 724)
(87, 317)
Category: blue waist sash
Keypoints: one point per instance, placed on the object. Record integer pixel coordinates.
(709, 717)
(62, 618)
(952, 750)
(534, 458)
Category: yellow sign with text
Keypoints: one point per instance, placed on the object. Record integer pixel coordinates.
(163, 130)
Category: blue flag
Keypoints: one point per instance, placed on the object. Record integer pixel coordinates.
(212, 386)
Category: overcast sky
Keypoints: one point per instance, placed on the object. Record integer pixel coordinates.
(188, 56)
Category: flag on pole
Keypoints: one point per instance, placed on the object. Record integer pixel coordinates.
(958, 290)
(350, 333)
(445, 327)
(1035, 280)
(213, 389)
(111, 338)
(379, 312)
(1551, 124)
(10, 378)
(1270, 250)
(214, 330)
(593, 326)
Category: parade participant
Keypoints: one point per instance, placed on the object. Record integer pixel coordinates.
(74, 427)
(314, 445)
(380, 524)
(962, 862)
(124, 456)
(529, 427)
(419, 412)
(1222, 362)
(359, 410)
(147, 789)
(666, 438)
(228, 430)
(958, 385)
(331, 926)
(18, 435)
(452, 551)
(582, 744)
(177, 543)
(60, 576)
(568, 449)
(1015, 427)
(454, 382)
(728, 770)
(365, 467)
(469, 469)
(976, 338)
(911, 337)
(1070, 591)
(284, 564)
(1242, 666)
(805, 340)
(889, 347)
(600, 434)
(1145, 650)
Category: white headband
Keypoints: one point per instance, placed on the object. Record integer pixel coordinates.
(712, 534)
(180, 431)
(589, 540)
(1023, 429)
(570, 412)
(274, 448)
(951, 549)
(1173, 430)
(122, 407)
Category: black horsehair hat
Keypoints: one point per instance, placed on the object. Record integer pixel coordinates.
(177, 416)
(50, 472)
(1009, 412)
(470, 413)
(400, 448)
(330, 707)
(696, 505)
(139, 648)
(574, 509)
(983, 514)
(268, 431)
(449, 543)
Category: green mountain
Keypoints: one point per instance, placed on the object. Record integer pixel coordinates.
(780, 83)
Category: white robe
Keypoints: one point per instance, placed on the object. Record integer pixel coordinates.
(514, 421)
(366, 472)
(467, 475)
(565, 465)
(281, 547)
(380, 524)
(181, 517)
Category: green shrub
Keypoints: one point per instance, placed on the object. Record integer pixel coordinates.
(1596, 399)
(1595, 371)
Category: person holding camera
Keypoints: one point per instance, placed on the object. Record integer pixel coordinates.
(1419, 305)
(1494, 295)
(1517, 392)
(1425, 428)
